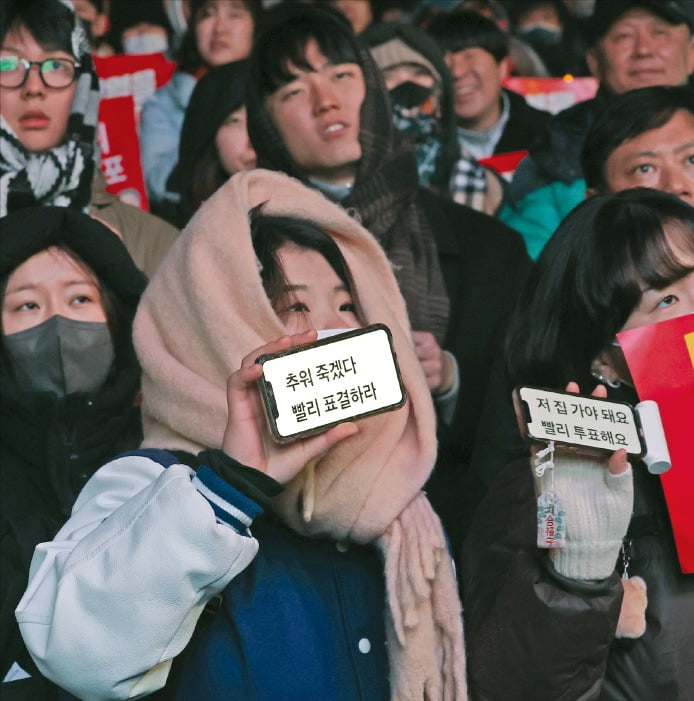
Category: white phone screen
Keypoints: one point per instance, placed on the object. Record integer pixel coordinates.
(337, 379)
(579, 420)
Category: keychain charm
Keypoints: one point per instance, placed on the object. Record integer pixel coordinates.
(551, 525)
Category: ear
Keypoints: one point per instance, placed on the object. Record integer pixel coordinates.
(504, 68)
(690, 55)
(593, 63)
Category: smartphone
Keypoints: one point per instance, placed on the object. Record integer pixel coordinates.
(347, 376)
(576, 420)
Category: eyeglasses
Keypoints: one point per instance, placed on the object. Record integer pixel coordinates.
(54, 72)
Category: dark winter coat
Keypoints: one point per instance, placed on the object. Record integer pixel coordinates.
(525, 128)
(534, 634)
(325, 637)
(49, 447)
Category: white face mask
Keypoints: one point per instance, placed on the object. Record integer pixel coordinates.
(145, 44)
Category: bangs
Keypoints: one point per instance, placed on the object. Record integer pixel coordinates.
(634, 251)
(276, 53)
(468, 30)
(50, 24)
(660, 265)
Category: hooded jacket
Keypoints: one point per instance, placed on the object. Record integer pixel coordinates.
(50, 446)
(548, 182)
(482, 263)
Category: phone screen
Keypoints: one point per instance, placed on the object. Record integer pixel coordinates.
(340, 378)
(575, 419)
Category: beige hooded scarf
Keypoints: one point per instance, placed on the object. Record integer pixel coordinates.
(206, 309)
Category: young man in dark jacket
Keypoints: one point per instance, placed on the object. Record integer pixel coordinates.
(491, 119)
(319, 111)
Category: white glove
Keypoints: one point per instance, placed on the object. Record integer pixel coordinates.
(597, 505)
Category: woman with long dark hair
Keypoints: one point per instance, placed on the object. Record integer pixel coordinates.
(561, 620)
(214, 139)
(219, 32)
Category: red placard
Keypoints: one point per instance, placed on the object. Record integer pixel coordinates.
(125, 82)
(135, 75)
(553, 94)
(120, 151)
(504, 164)
(661, 361)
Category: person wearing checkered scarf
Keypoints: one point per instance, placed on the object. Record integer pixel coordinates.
(427, 115)
(58, 169)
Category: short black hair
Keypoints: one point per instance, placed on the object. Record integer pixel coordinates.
(458, 31)
(48, 21)
(625, 117)
(588, 280)
(270, 233)
(274, 50)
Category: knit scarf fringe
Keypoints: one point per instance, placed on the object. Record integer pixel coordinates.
(424, 629)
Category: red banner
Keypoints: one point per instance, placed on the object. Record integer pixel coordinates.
(120, 151)
(553, 94)
(504, 164)
(661, 361)
(125, 82)
(138, 76)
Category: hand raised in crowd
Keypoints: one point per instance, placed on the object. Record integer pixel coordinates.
(247, 438)
(436, 364)
(597, 499)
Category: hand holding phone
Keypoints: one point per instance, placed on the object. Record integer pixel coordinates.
(348, 376)
(592, 424)
(245, 438)
(583, 496)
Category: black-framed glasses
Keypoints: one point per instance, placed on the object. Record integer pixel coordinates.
(54, 72)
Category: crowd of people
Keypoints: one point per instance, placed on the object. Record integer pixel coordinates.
(314, 167)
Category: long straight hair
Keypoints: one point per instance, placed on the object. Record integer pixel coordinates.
(589, 279)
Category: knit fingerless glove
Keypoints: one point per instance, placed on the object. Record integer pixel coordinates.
(598, 508)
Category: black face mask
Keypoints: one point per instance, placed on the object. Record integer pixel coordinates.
(410, 94)
(541, 36)
(61, 356)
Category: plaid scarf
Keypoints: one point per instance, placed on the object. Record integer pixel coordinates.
(61, 176)
(470, 183)
(474, 185)
(422, 128)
